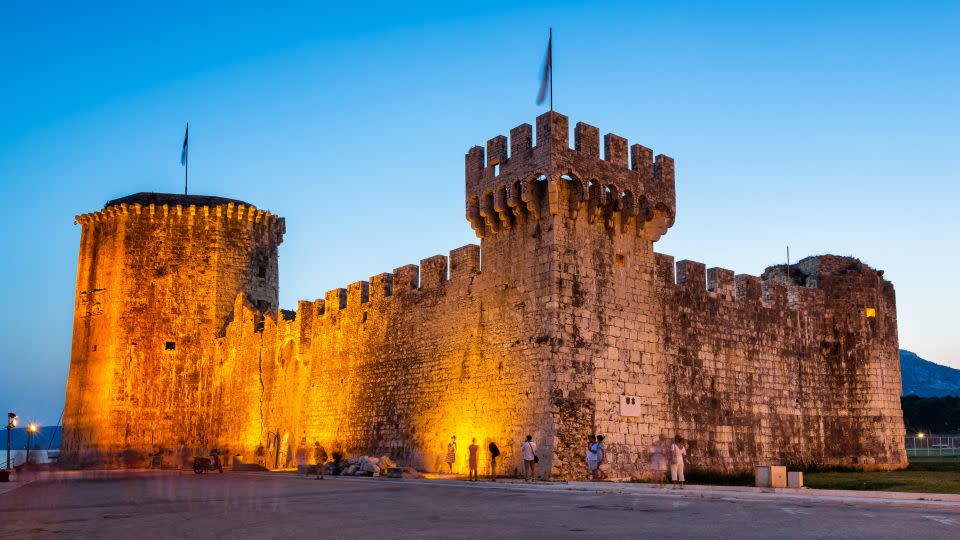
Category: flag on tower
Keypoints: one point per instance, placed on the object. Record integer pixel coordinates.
(546, 80)
(183, 152)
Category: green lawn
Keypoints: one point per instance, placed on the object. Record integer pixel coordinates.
(922, 476)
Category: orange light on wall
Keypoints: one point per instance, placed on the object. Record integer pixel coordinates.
(871, 312)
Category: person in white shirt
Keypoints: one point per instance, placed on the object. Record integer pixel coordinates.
(592, 461)
(529, 449)
(677, 450)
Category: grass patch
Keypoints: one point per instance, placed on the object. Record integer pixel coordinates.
(922, 476)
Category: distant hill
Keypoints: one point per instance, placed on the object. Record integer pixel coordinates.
(925, 379)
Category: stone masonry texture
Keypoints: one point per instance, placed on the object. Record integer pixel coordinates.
(562, 323)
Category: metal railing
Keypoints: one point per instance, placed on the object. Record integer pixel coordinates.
(933, 445)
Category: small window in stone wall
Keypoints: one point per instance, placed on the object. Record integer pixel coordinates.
(629, 406)
(619, 260)
(871, 312)
(262, 271)
(170, 346)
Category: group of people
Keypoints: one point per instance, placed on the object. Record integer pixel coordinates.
(528, 449)
(667, 453)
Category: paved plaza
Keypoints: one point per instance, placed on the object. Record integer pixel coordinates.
(234, 505)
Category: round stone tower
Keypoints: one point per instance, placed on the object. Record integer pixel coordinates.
(157, 278)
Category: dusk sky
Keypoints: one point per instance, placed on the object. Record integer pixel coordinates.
(831, 129)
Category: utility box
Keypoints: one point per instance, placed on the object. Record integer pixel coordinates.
(761, 476)
(778, 476)
(795, 479)
(774, 476)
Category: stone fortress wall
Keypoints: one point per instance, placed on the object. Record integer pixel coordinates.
(572, 325)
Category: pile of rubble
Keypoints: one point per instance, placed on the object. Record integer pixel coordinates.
(359, 466)
(365, 466)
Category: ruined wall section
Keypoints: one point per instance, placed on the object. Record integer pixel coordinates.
(151, 284)
(398, 364)
(762, 371)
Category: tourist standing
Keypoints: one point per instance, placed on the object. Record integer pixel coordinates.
(494, 454)
(473, 449)
(677, 450)
(658, 461)
(319, 458)
(592, 456)
(451, 453)
(529, 450)
(601, 456)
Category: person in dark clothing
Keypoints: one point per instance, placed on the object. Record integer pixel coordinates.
(319, 458)
(494, 454)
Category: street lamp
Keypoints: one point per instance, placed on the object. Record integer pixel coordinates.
(31, 429)
(11, 423)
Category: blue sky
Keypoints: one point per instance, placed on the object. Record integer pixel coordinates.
(831, 128)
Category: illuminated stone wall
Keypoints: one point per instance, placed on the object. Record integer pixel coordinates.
(390, 367)
(571, 325)
(156, 281)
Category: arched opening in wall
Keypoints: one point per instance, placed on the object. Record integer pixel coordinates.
(574, 189)
(594, 200)
(593, 192)
(611, 197)
(627, 204)
(539, 185)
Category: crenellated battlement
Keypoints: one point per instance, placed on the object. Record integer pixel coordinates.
(227, 211)
(626, 188)
(432, 273)
(797, 288)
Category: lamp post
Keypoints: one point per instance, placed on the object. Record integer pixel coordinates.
(11, 423)
(31, 429)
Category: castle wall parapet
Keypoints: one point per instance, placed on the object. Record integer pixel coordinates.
(195, 215)
(625, 189)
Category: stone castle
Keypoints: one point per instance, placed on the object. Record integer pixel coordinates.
(572, 324)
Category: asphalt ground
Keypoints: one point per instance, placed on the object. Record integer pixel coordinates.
(287, 506)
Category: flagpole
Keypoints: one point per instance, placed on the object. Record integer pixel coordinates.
(186, 160)
(551, 69)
